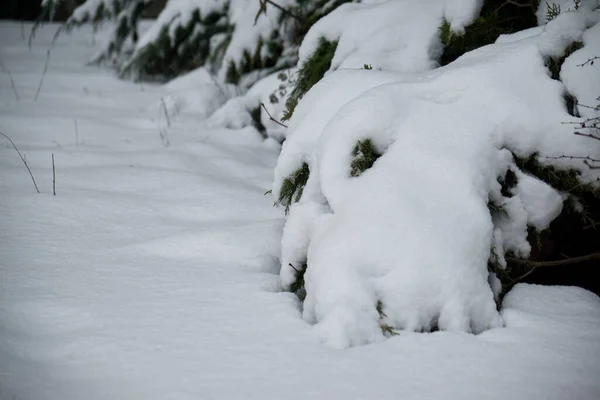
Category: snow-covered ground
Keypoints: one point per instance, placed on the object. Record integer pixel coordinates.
(154, 271)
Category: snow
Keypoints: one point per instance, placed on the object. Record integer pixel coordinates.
(153, 272)
(563, 6)
(387, 237)
(582, 80)
(195, 94)
(177, 14)
(364, 32)
(247, 34)
(270, 92)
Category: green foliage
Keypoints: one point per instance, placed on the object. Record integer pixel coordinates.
(497, 17)
(552, 11)
(386, 329)
(188, 49)
(255, 114)
(311, 71)
(564, 180)
(364, 156)
(293, 186)
(47, 14)
(367, 66)
(554, 64)
(297, 286)
(256, 61)
(496, 209)
(310, 11)
(508, 182)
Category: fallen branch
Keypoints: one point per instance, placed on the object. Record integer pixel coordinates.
(271, 117)
(557, 263)
(22, 159)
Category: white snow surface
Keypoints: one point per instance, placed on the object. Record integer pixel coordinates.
(396, 35)
(413, 232)
(246, 35)
(153, 272)
(269, 95)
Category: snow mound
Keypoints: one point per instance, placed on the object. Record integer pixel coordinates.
(405, 243)
(271, 92)
(196, 93)
(364, 32)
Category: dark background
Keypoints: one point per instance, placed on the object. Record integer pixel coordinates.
(28, 10)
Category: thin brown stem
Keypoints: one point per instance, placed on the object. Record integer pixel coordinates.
(37, 93)
(53, 176)
(556, 263)
(587, 135)
(263, 10)
(271, 117)
(22, 159)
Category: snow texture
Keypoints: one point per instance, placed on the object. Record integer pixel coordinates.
(176, 14)
(413, 233)
(247, 35)
(153, 272)
(364, 32)
(270, 91)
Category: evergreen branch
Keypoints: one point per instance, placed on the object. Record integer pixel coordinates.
(585, 183)
(22, 159)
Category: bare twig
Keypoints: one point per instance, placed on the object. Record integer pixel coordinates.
(587, 135)
(583, 184)
(588, 158)
(53, 176)
(529, 4)
(22, 159)
(593, 225)
(164, 137)
(589, 61)
(76, 132)
(271, 117)
(12, 82)
(212, 77)
(263, 10)
(557, 263)
(43, 75)
(592, 163)
(164, 107)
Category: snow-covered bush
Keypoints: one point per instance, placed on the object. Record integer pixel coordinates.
(416, 195)
(240, 41)
(181, 39)
(123, 14)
